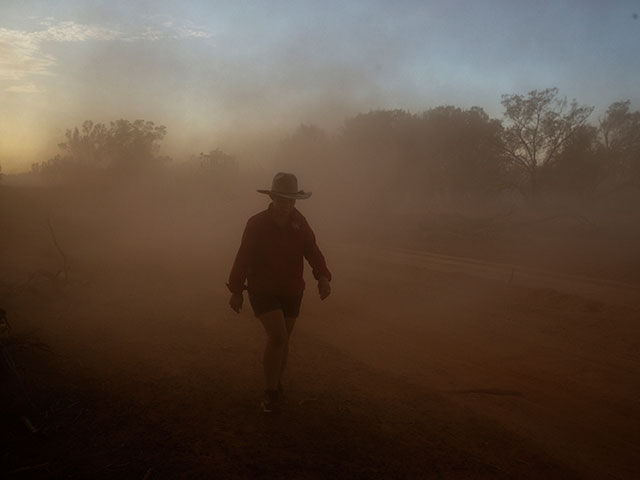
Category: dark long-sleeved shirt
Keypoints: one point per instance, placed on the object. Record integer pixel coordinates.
(271, 258)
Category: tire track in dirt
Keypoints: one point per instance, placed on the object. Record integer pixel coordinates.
(601, 289)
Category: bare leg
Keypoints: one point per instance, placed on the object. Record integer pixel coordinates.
(289, 323)
(277, 344)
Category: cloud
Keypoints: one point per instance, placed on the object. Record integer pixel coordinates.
(69, 31)
(20, 56)
(23, 53)
(158, 27)
(25, 88)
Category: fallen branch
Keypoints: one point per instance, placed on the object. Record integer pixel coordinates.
(65, 266)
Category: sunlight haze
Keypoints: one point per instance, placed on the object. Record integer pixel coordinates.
(216, 73)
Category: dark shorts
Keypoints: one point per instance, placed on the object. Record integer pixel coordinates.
(266, 302)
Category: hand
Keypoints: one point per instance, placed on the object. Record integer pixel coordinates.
(236, 302)
(324, 287)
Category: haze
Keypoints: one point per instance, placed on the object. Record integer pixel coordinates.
(238, 76)
(475, 169)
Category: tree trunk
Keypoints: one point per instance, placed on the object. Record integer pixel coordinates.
(534, 183)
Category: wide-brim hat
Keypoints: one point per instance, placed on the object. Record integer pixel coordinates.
(286, 185)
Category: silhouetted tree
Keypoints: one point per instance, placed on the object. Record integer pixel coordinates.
(309, 150)
(87, 145)
(445, 153)
(580, 167)
(132, 146)
(57, 167)
(537, 127)
(376, 146)
(124, 148)
(218, 167)
(620, 131)
(461, 149)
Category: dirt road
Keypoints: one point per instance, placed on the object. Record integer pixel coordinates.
(417, 366)
(554, 367)
(149, 380)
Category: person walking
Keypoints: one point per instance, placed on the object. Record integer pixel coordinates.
(271, 257)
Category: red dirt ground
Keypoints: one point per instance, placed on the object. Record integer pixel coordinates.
(411, 369)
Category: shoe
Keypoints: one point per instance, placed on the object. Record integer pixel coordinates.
(271, 403)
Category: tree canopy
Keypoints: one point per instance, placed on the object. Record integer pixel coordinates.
(122, 147)
(543, 143)
(537, 127)
(620, 130)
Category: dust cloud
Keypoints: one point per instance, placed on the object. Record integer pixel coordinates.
(483, 314)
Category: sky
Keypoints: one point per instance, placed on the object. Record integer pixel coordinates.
(237, 75)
